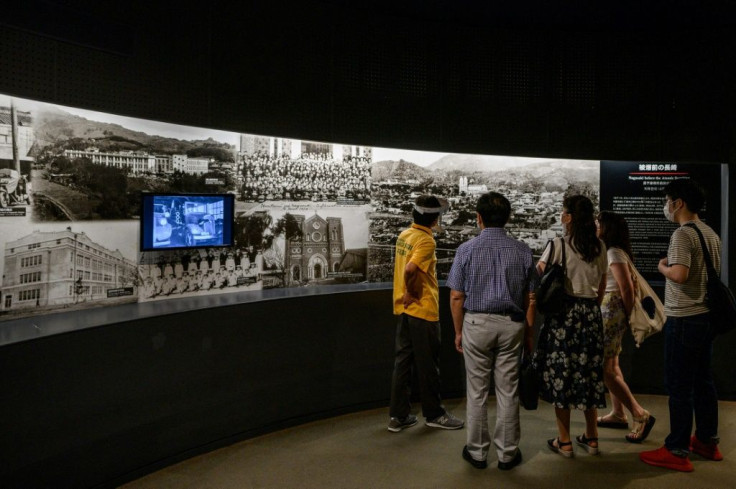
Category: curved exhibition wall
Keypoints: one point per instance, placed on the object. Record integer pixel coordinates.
(100, 406)
(232, 213)
(119, 361)
(108, 374)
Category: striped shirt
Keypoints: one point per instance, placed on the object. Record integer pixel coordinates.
(494, 271)
(688, 299)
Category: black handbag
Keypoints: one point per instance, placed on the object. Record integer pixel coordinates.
(718, 296)
(551, 291)
(528, 383)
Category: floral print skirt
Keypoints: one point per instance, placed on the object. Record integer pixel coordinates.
(569, 357)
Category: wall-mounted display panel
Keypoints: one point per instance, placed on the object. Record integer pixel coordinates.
(304, 213)
(635, 190)
(184, 221)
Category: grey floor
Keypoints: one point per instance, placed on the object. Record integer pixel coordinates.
(356, 451)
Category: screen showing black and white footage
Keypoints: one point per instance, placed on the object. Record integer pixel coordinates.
(186, 221)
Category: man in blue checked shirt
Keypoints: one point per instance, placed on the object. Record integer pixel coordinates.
(491, 280)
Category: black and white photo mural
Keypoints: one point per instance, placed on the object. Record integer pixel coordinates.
(299, 213)
(59, 253)
(534, 186)
(54, 267)
(66, 174)
(307, 244)
(285, 170)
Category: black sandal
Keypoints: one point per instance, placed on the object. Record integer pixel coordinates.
(558, 448)
(584, 442)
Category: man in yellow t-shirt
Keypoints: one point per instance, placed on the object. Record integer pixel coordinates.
(416, 303)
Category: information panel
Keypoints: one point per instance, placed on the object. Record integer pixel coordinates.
(635, 190)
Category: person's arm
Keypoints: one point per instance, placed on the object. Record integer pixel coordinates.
(601, 288)
(676, 265)
(530, 306)
(677, 273)
(457, 301)
(411, 282)
(542, 263)
(622, 275)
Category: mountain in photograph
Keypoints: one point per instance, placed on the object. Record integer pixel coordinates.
(54, 126)
(555, 172)
(467, 163)
(493, 170)
(397, 170)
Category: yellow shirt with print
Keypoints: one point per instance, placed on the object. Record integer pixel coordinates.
(416, 245)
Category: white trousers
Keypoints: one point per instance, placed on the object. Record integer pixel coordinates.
(491, 345)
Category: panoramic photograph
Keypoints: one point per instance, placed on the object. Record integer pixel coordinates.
(534, 186)
(298, 213)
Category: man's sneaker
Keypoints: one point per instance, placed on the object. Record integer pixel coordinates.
(705, 450)
(447, 422)
(662, 457)
(397, 424)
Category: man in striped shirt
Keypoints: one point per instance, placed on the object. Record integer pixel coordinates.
(688, 334)
(491, 279)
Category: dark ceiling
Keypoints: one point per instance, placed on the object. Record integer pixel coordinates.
(626, 79)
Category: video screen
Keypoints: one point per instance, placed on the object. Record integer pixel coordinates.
(179, 221)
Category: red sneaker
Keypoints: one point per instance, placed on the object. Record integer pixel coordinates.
(662, 457)
(705, 450)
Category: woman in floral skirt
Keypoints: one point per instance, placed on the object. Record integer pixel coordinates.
(569, 354)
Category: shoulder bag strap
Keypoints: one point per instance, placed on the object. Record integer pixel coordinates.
(564, 259)
(551, 246)
(709, 268)
(633, 271)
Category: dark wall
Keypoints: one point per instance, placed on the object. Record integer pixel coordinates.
(618, 81)
(104, 405)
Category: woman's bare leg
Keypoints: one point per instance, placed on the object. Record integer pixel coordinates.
(614, 380)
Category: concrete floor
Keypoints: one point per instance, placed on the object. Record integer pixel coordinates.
(356, 451)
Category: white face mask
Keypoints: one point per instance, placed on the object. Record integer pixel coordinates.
(669, 215)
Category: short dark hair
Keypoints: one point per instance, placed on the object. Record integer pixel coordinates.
(689, 191)
(426, 201)
(494, 209)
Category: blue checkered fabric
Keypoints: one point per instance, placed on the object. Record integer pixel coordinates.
(494, 271)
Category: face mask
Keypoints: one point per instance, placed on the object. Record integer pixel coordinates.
(669, 215)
